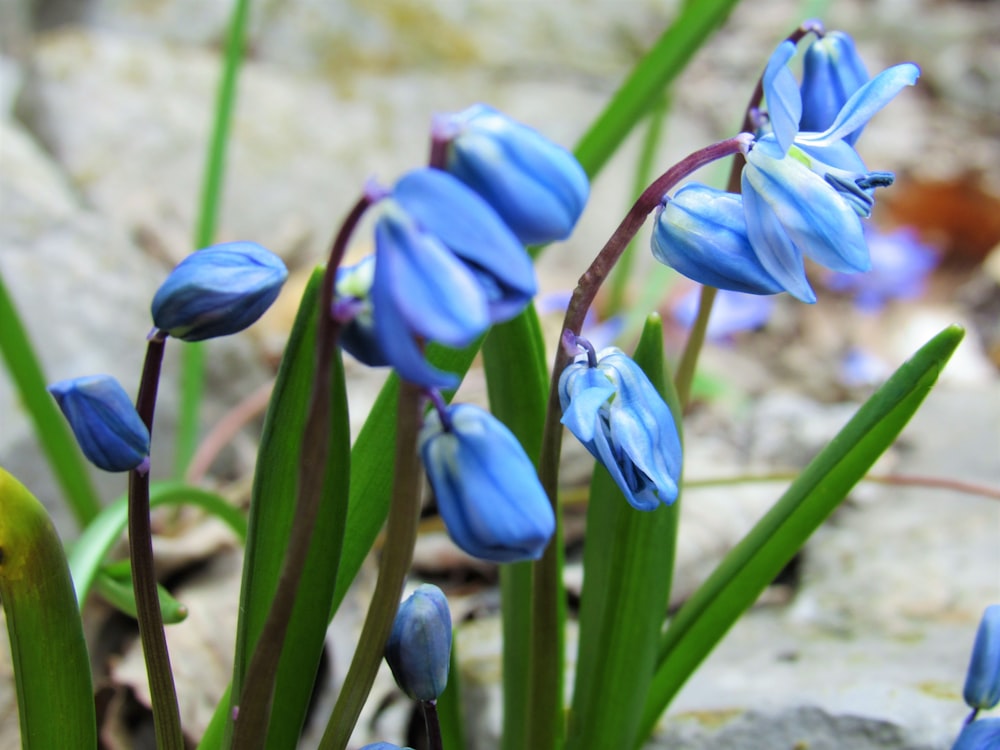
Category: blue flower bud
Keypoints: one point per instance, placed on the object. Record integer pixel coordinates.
(616, 412)
(538, 188)
(104, 421)
(352, 303)
(701, 233)
(419, 646)
(982, 681)
(487, 490)
(218, 291)
(983, 734)
(832, 71)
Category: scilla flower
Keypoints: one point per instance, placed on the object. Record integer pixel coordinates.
(104, 421)
(487, 491)
(983, 734)
(446, 267)
(218, 291)
(419, 647)
(832, 71)
(538, 188)
(982, 681)
(612, 408)
(352, 305)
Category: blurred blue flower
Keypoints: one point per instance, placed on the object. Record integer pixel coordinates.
(732, 312)
(612, 408)
(832, 71)
(486, 487)
(600, 333)
(384, 746)
(218, 291)
(983, 734)
(419, 646)
(701, 233)
(803, 193)
(538, 188)
(104, 421)
(860, 368)
(446, 267)
(982, 681)
(901, 264)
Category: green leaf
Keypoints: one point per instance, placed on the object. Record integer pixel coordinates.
(760, 556)
(517, 381)
(114, 584)
(271, 511)
(449, 706)
(55, 698)
(628, 567)
(64, 455)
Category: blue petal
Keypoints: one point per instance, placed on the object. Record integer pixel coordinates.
(784, 103)
(774, 249)
(437, 295)
(444, 207)
(702, 234)
(982, 734)
(583, 392)
(865, 102)
(832, 71)
(982, 681)
(817, 220)
(487, 490)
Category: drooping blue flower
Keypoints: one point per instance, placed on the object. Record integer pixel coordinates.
(803, 193)
(701, 233)
(419, 646)
(983, 734)
(218, 291)
(832, 71)
(446, 267)
(982, 681)
(352, 305)
(486, 487)
(104, 421)
(611, 407)
(538, 187)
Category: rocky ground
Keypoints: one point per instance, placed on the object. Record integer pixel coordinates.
(104, 118)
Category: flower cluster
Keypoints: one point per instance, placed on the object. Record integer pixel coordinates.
(804, 190)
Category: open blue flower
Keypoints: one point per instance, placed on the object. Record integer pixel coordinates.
(104, 421)
(615, 411)
(982, 681)
(419, 648)
(218, 291)
(538, 187)
(446, 267)
(486, 487)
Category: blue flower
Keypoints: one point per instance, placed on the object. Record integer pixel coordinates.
(486, 487)
(803, 193)
(701, 233)
(982, 681)
(832, 71)
(218, 291)
(538, 188)
(384, 746)
(419, 646)
(612, 408)
(104, 421)
(983, 734)
(446, 267)
(353, 307)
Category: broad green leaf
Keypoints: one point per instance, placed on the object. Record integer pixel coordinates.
(55, 698)
(64, 455)
(272, 509)
(770, 545)
(628, 567)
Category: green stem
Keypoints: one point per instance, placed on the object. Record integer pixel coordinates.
(192, 357)
(163, 694)
(397, 554)
(696, 339)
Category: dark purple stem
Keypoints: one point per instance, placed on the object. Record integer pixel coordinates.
(434, 740)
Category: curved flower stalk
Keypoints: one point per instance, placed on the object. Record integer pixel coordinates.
(104, 421)
(218, 291)
(446, 267)
(486, 487)
(536, 186)
(611, 407)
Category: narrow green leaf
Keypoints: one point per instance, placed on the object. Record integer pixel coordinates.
(628, 567)
(64, 455)
(88, 552)
(517, 381)
(759, 557)
(271, 510)
(55, 698)
(449, 706)
(114, 584)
